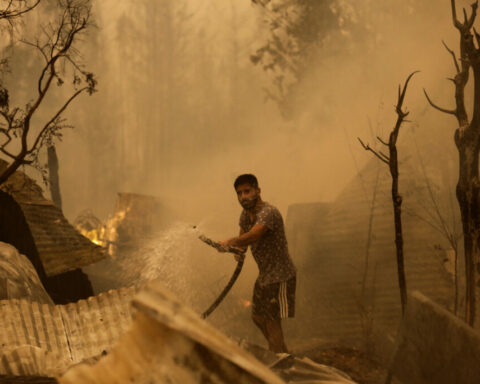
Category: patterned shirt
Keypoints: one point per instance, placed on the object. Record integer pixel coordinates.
(271, 250)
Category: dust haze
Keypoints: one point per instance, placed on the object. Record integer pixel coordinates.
(181, 110)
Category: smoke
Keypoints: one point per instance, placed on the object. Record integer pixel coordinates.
(181, 110)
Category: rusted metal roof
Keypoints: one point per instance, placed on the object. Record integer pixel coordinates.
(43, 339)
(60, 246)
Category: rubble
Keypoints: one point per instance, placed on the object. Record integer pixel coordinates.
(45, 340)
(170, 343)
(62, 250)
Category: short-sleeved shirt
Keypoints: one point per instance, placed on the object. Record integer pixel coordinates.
(271, 250)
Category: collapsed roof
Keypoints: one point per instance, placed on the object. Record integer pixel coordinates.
(60, 246)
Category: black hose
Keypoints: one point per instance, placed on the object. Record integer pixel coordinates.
(234, 277)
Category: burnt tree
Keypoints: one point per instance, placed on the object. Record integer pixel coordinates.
(392, 161)
(21, 139)
(13, 9)
(467, 141)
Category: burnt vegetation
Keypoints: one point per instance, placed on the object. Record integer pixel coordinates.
(56, 44)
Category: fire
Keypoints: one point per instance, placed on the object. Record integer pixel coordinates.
(246, 303)
(96, 235)
(91, 227)
(102, 234)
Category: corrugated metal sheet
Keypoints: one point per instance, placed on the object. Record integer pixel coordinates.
(20, 186)
(61, 335)
(332, 258)
(29, 361)
(60, 246)
(169, 343)
(18, 278)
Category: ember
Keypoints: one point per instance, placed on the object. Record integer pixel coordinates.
(246, 303)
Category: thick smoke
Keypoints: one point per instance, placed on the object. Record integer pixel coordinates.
(181, 109)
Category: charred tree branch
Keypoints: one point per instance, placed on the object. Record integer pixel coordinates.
(455, 61)
(444, 110)
(368, 148)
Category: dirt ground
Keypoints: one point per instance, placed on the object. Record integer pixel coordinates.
(353, 362)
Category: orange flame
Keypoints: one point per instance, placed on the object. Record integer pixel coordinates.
(246, 303)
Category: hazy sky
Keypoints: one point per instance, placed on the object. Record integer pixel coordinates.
(181, 109)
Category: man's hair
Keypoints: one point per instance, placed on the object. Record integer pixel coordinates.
(246, 178)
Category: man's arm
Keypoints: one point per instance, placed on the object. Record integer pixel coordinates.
(247, 238)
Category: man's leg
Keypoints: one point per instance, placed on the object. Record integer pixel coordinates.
(276, 342)
(266, 315)
(260, 322)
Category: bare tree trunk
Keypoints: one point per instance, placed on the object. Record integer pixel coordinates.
(468, 198)
(397, 213)
(54, 179)
(392, 161)
(457, 288)
(467, 140)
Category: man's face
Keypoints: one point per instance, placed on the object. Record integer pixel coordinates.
(248, 196)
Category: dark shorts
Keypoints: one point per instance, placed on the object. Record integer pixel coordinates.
(276, 301)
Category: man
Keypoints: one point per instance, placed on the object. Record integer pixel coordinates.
(261, 228)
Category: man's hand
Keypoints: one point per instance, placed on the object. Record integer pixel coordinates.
(239, 258)
(227, 245)
(224, 245)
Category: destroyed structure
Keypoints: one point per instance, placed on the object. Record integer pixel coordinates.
(348, 249)
(38, 229)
